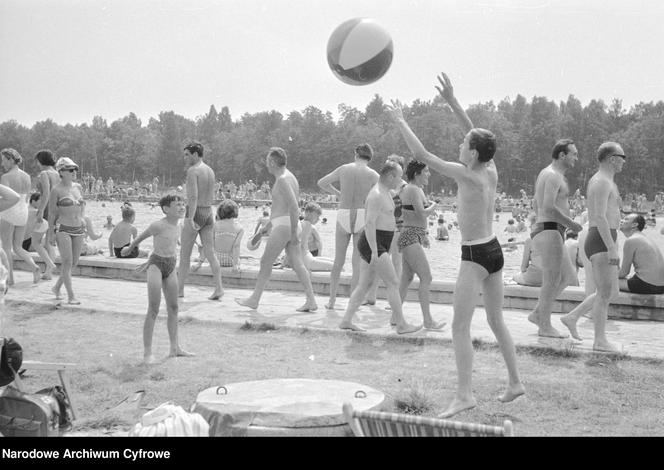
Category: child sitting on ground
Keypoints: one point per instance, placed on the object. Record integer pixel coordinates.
(123, 234)
(312, 213)
(162, 274)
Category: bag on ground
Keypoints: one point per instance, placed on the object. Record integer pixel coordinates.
(11, 358)
(172, 421)
(28, 414)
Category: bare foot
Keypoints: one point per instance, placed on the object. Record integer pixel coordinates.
(350, 326)
(534, 318)
(393, 320)
(308, 307)
(47, 276)
(432, 325)
(330, 305)
(457, 406)
(513, 392)
(247, 303)
(550, 332)
(181, 353)
(149, 359)
(406, 328)
(216, 295)
(74, 301)
(570, 323)
(181, 294)
(57, 293)
(369, 302)
(605, 346)
(36, 276)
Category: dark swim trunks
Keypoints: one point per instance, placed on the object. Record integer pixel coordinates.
(165, 264)
(594, 243)
(383, 243)
(203, 216)
(27, 244)
(489, 255)
(118, 252)
(637, 285)
(542, 226)
(313, 252)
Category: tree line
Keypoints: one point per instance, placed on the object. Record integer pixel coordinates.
(127, 150)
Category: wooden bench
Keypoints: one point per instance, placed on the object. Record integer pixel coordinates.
(61, 368)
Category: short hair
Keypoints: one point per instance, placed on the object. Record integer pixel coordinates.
(12, 154)
(388, 168)
(364, 151)
(313, 207)
(128, 212)
(228, 209)
(606, 149)
(266, 213)
(414, 168)
(45, 157)
(278, 156)
(561, 146)
(484, 142)
(167, 200)
(569, 233)
(194, 147)
(510, 222)
(640, 222)
(34, 197)
(397, 159)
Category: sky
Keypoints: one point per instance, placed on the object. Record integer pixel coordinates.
(71, 60)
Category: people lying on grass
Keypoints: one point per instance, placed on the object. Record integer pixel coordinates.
(123, 234)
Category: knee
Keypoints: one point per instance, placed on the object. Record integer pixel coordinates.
(426, 279)
(460, 326)
(171, 308)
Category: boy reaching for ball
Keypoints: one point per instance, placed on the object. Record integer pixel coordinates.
(161, 273)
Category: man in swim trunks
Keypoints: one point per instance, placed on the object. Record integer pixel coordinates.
(374, 250)
(604, 203)
(640, 251)
(161, 274)
(199, 219)
(14, 219)
(481, 255)
(548, 233)
(285, 232)
(355, 180)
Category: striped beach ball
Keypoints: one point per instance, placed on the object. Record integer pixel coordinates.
(359, 51)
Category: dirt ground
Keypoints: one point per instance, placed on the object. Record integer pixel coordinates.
(567, 394)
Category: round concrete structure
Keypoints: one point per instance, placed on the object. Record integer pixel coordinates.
(284, 407)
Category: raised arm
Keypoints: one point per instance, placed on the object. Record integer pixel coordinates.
(325, 183)
(447, 92)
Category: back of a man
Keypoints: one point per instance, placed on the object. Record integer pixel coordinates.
(642, 252)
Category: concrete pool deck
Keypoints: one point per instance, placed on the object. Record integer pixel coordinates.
(640, 339)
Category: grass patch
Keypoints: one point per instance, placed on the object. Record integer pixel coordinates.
(260, 327)
(568, 352)
(415, 400)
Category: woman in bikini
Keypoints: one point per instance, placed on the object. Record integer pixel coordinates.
(47, 179)
(65, 219)
(228, 235)
(414, 237)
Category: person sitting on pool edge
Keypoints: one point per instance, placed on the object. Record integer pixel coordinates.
(644, 254)
(123, 234)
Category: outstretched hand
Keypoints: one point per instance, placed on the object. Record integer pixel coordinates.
(447, 91)
(395, 110)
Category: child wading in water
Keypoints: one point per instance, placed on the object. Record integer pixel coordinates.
(161, 273)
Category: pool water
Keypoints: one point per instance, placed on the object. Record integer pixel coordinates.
(444, 256)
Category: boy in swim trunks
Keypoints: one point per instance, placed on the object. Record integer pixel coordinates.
(123, 234)
(161, 273)
(481, 254)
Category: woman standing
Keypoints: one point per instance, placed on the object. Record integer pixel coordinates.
(65, 219)
(47, 179)
(415, 209)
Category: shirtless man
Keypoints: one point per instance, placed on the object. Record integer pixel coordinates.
(548, 233)
(644, 254)
(199, 219)
(481, 255)
(355, 180)
(603, 200)
(285, 232)
(14, 219)
(374, 249)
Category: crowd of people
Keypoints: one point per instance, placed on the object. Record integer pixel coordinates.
(385, 213)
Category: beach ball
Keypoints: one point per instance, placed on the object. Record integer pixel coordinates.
(359, 51)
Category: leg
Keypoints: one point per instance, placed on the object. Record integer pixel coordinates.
(207, 239)
(154, 299)
(19, 233)
(341, 239)
(466, 294)
(385, 270)
(355, 262)
(550, 244)
(64, 241)
(365, 278)
(37, 239)
(493, 304)
(6, 231)
(295, 254)
(170, 288)
(418, 262)
(276, 242)
(188, 237)
(606, 280)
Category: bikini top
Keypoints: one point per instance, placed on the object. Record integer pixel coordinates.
(409, 207)
(66, 201)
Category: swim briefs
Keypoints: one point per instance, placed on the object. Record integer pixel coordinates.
(383, 243)
(487, 254)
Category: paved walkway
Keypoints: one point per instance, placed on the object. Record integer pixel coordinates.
(636, 338)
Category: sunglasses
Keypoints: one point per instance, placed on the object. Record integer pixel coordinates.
(624, 157)
(70, 170)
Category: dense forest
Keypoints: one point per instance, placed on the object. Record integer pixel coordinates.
(127, 150)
